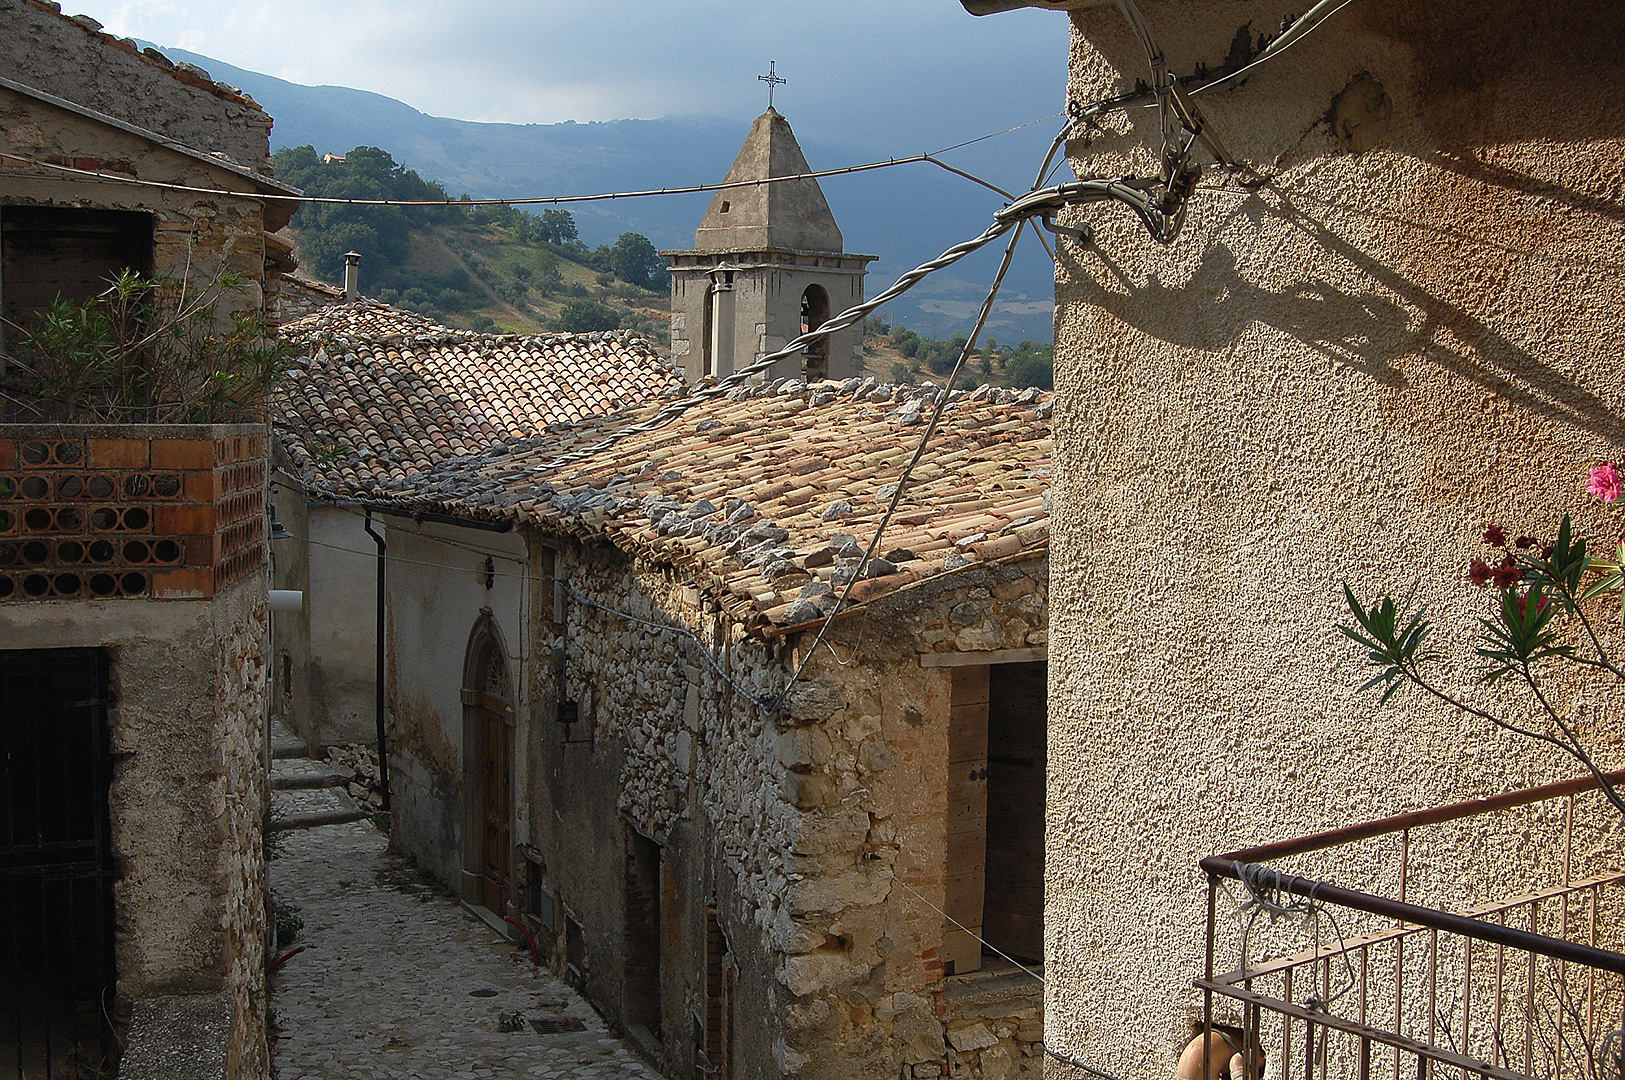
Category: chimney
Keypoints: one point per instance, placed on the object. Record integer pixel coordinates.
(352, 275)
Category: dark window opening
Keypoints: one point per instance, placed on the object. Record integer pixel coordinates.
(1017, 728)
(643, 932)
(575, 947)
(57, 977)
(995, 843)
(815, 313)
(48, 251)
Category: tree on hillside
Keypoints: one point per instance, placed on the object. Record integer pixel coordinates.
(555, 227)
(633, 259)
(382, 234)
(585, 316)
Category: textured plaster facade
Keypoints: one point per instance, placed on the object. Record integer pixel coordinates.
(1404, 335)
(775, 839)
(326, 652)
(437, 593)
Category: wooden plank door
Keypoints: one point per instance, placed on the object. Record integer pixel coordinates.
(496, 811)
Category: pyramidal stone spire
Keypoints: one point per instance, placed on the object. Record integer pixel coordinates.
(787, 216)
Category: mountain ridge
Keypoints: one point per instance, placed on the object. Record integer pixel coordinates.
(905, 215)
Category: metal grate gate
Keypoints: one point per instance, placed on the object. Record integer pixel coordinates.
(56, 867)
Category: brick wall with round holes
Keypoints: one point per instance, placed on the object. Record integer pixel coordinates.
(90, 518)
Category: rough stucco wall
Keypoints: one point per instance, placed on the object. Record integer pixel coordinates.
(242, 794)
(436, 593)
(1345, 376)
(188, 793)
(43, 50)
(196, 238)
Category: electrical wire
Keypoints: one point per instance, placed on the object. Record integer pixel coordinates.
(1043, 202)
(913, 159)
(1201, 84)
(930, 428)
(1300, 29)
(974, 935)
(996, 134)
(547, 200)
(919, 452)
(414, 562)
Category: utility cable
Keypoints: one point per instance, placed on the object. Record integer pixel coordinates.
(1202, 83)
(919, 452)
(930, 427)
(913, 159)
(974, 935)
(1299, 29)
(1044, 202)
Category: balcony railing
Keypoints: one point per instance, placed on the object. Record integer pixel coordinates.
(1470, 940)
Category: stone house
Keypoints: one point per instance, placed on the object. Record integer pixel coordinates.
(767, 266)
(76, 104)
(132, 588)
(595, 731)
(1397, 331)
(384, 395)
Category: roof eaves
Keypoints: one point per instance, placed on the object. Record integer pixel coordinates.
(265, 183)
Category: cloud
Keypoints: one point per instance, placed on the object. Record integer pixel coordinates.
(906, 73)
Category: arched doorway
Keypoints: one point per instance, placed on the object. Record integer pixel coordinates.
(488, 717)
(815, 313)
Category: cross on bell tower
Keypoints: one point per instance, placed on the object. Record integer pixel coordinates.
(772, 79)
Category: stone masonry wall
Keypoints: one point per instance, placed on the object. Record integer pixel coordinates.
(196, 237)
(791, 826)
(241, 801)
(73, 60)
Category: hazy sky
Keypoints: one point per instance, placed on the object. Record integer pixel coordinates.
(909, 74)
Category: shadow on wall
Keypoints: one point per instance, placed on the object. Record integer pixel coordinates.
(1367, 330)
(1491, 72)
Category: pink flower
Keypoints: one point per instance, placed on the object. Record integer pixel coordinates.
(1605, 482)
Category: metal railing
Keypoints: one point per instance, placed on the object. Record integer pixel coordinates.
(1519, 983)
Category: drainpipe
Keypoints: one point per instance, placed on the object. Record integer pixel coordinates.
(352, 276)
(383, 746)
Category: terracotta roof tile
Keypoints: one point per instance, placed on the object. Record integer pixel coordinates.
(766, 500)
(380, 395)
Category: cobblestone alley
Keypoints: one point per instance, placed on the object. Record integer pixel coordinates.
(398, 981)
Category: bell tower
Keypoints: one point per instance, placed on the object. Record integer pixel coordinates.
(767, 266)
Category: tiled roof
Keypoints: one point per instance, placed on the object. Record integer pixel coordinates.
(767, 497)
(378, 395)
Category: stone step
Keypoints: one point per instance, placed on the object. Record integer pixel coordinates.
(288, 774)
(302, 808)
(285, 744)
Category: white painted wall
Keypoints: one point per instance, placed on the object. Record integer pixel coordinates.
(437, 592)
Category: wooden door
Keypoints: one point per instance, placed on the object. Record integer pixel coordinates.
(496, 804)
